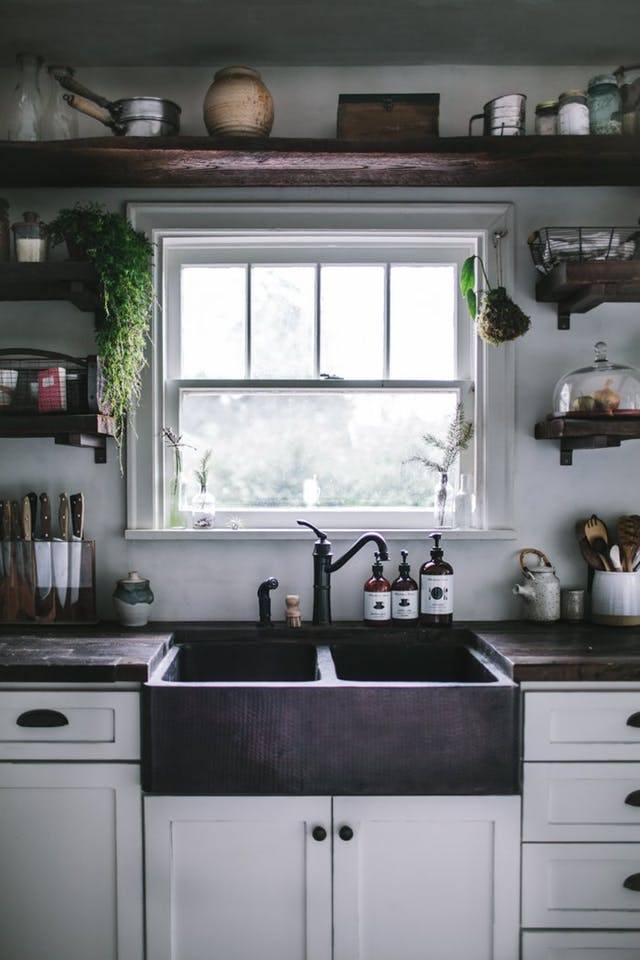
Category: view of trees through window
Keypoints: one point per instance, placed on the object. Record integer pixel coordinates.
(333, 444)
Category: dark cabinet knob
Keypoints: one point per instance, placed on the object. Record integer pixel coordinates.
(633, 882)
(345, 833)
(319, 833)
(42, 718)
(634, 720)
(633, 799)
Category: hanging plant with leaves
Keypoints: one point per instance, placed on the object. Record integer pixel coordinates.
(122, 258)
(499, 319)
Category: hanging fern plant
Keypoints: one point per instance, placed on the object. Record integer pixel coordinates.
(122, 258)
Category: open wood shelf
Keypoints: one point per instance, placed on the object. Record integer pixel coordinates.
(587, 434)
(218, 162)
(70, 429)
(71, 280)
(579, 287)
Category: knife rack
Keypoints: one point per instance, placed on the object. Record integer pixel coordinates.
(47, 581)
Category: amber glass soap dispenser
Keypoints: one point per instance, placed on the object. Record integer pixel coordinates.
(436, 588)
(404, 594)
(377, 596)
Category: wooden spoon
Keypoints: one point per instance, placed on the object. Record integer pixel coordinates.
(595, 530)
(629, 540)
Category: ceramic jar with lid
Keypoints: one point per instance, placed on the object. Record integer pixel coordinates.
(30, 239)
(547, 118)
(573, 113)
(132, 600)
(540, 587)
(605, 105)
(238, 104)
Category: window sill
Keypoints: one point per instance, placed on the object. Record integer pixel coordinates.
(286, 533)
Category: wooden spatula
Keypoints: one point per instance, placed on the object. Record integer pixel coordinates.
(629, 539)
(595, 530)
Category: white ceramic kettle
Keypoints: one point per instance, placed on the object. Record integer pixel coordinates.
(540, 589)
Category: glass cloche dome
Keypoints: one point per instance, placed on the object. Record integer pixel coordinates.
(601, 389)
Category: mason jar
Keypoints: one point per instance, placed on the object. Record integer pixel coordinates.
(547, 118)
(573, 113)
(605, 105)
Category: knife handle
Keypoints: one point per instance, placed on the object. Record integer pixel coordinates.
(26, 519)
(33, 504)
(63, 516)
(45, 517)
(15, 520)
(6, 520)
(77, 515)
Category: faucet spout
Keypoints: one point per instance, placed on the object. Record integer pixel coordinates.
(370, 537)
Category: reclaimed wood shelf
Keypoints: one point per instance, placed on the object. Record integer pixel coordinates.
(579, 287)
(71, 280)
(277, 162)
(587, 434)
(70, 429)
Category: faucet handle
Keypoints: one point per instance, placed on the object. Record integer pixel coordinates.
(319, 534)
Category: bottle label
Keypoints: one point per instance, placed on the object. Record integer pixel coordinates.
(377, 605)
(436, 594)
(404, 604)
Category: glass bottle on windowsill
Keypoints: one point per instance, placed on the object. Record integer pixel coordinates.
(443, 503)
(465, 502)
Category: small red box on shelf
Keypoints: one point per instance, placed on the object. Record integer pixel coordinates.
(52, 390)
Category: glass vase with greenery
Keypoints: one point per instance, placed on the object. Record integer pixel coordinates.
(204, 504)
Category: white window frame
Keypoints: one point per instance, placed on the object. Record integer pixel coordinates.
(177, 229)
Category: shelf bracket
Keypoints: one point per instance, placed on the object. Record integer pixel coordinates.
(96, 443)
(581, 302)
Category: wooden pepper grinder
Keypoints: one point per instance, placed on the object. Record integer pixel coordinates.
(292, 604)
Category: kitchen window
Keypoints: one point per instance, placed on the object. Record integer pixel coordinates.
(309, 348)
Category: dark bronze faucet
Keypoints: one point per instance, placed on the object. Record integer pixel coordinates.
(323, 567)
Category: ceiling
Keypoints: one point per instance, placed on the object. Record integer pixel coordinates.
(315, 32)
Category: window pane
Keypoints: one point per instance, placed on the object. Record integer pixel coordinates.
(214, 322)
(352, 321)
(422, 308)
(315, 448)
(283, 322)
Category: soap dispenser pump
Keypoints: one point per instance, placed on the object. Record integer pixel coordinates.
(404, 594)
(377, 595)
(436, 588)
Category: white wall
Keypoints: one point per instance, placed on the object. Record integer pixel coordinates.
(218, 580)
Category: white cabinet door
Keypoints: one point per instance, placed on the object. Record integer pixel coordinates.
(71, 862)
(581, 945)
(434, 877)
(238, 878)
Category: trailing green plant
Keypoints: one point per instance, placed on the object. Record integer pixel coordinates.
(499, 319)
(457, 438)
(122, 258)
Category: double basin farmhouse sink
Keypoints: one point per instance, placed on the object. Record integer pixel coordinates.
(275, 716)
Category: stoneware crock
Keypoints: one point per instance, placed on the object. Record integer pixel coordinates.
(132, 599)
(615, 599)
(238, 104)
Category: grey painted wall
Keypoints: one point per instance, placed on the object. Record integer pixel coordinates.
(218, 580)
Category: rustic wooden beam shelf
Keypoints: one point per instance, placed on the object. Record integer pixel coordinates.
(587, 434)
(579, 287)
(71, 280)
(212, 162)
(70, 429)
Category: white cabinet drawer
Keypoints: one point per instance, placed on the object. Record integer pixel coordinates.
(580, 885)
(581, 726)
(69, 725)
(583, 945)
(581, 802)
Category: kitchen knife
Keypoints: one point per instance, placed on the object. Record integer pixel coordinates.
(43, 549)
(28, 566)
(9, 598)
(76, 502)
(33, 504)
(60, 552)
(15, 560)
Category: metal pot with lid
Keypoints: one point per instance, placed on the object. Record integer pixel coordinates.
(128, 117)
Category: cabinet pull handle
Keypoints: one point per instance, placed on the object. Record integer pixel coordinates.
(345, 833)
(42, 718)
(634, 720)
(319, 834)
(633, 882)
(633, 799)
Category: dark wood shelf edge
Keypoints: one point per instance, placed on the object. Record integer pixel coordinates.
(71, 280)
(205, 161)
(576, 434)
(580, 287)
(72, 430)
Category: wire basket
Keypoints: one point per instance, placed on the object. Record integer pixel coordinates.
(41, 382)
(552, 245)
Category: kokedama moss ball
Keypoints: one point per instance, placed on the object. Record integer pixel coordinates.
(500, 319)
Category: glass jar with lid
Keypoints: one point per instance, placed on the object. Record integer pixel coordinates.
(573, 113)
(605, 105)
(602, 389)
(547, 118)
